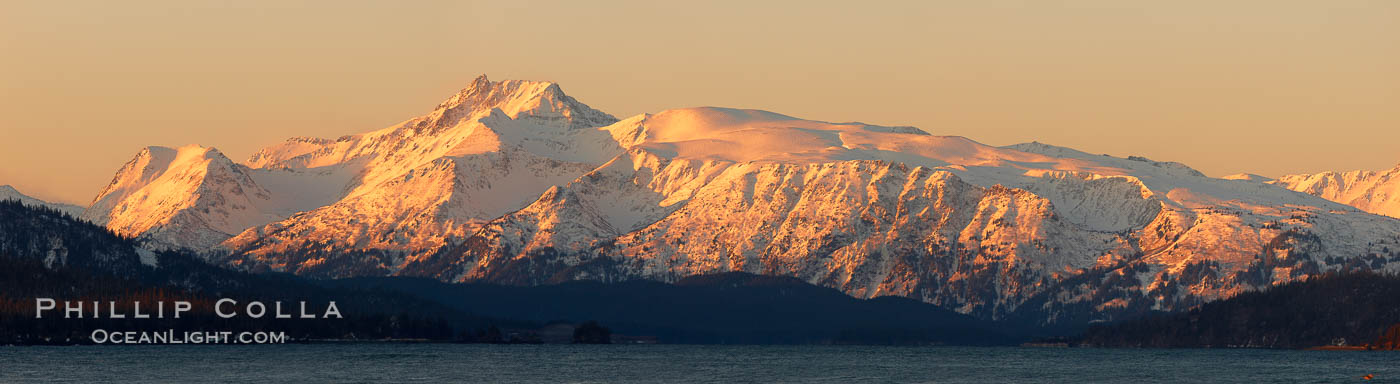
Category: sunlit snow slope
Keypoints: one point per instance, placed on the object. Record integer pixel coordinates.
(874, 211)
(515, 182)
(1371, 191)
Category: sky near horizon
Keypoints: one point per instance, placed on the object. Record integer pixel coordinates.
(1266, 87)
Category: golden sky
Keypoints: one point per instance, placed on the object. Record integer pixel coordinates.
(1268, 87)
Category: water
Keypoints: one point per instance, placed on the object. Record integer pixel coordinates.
(681, 363)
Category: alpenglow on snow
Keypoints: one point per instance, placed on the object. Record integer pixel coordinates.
(515, 182)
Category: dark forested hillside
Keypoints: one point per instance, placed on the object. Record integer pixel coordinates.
(59, 240)
(728, 308)
(47, 254)
(1332, 309)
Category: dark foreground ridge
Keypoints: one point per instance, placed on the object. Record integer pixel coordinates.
(1357, 309)
(727, 308)
(47, 254)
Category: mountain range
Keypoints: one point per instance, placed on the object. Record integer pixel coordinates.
(1371, 191)
(515, 182)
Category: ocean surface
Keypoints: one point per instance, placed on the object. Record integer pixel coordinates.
(371, 362)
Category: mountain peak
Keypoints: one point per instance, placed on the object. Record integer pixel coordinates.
(484, 93)
(543, 100)
(159, 179)
(480, 81)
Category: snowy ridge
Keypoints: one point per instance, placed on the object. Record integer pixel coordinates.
(487, 150)
(1370, 191)
(191, 196)
(980, 229)
(195, 197)
(294, 147)
(515, 182)
(10, 193)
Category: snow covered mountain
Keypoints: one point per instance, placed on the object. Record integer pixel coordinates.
(195, 197)
(10, 193)
(1370, 191)
(488, 150)
(515, 182)
(403, 188)
(875, 211)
